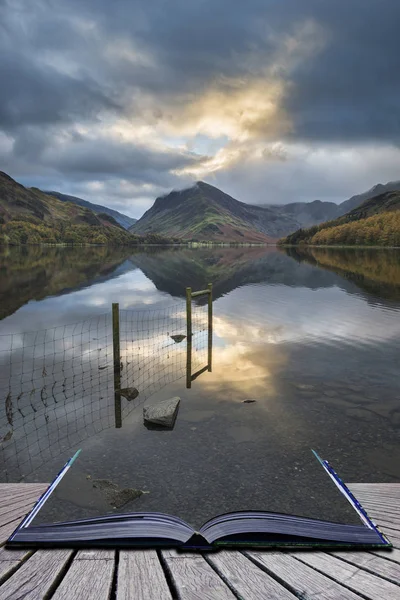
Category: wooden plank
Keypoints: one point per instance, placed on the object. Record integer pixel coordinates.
(37, 576)
(89, 577)
(371, 486)
(374, 564)
(6, 497)
(302, 579)
(394, 554)
(193, 577)
(10, 560)
(31, 495)
(359, 581)
(372, 507)
(7, 487)
(393, 539)
(381, 508)
(7, 530)
(373, 495)
(247, 580)
(15, 511)
(378, 515)
(384, 524)
(383, 500)
(16, 503)
(141, 576)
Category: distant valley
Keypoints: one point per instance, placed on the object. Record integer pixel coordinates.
(374, 222)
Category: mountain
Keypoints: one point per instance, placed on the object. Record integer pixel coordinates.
(29, 216)
(308, 213)
(120, 218)
(375, 222)
(377, 190)
(203, 212)
(316, 212)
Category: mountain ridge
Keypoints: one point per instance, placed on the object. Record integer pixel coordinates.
(119, 217)
(203, 212)
(29, 216)
(375, 222)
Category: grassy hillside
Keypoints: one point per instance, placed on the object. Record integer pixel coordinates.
(205, 213)
(120, 218)
(376, 222)
(28, 216)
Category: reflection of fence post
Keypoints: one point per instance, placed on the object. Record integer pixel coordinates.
(188, 337)
(117, 365)
(210, 318)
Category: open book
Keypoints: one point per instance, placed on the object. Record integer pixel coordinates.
(240, 528)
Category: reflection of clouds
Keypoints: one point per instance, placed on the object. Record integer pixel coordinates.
(245, 359)
(58, 382)
(130, 290)
(305, 315)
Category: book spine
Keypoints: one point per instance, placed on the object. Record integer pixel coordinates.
(353, 500)
(42, 499)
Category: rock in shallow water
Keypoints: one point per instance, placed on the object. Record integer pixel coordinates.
(116, 496)
(162, 414)
(129, 393)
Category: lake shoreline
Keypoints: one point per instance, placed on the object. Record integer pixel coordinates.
(337, 246)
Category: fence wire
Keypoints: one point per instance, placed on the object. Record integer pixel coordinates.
(150, 363)
(56, 385)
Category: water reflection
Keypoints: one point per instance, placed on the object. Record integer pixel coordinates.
(312, 335)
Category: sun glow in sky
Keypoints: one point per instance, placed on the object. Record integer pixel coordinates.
(274, 102)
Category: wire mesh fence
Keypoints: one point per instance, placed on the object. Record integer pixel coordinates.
(151, 361)
(57, 385)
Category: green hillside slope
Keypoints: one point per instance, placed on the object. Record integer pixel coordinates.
(28, 216)
(376, 222)
(120, 218)
(205, 213)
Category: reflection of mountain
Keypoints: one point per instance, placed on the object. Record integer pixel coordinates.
(33, 272)
(171, 271)
(375, 271)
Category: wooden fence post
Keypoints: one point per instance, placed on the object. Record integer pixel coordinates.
(117, 365)
(210, 326)
(188, 337)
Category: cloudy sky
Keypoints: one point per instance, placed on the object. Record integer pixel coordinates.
(274, 101)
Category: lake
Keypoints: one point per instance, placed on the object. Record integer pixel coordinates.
(312, 335)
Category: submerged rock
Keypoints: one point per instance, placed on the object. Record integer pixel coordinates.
(304, 386)
(162, 414)
(129, 393)
(178, 338)
(116, 496)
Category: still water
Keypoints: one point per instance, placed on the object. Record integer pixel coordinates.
(313, 336)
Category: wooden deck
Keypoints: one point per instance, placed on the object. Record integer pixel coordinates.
(166, 575)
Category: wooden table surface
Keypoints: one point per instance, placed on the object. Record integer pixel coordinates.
(225, 575)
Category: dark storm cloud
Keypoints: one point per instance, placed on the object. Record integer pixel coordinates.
(86, 61)
(34, 93)
(350, 88)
